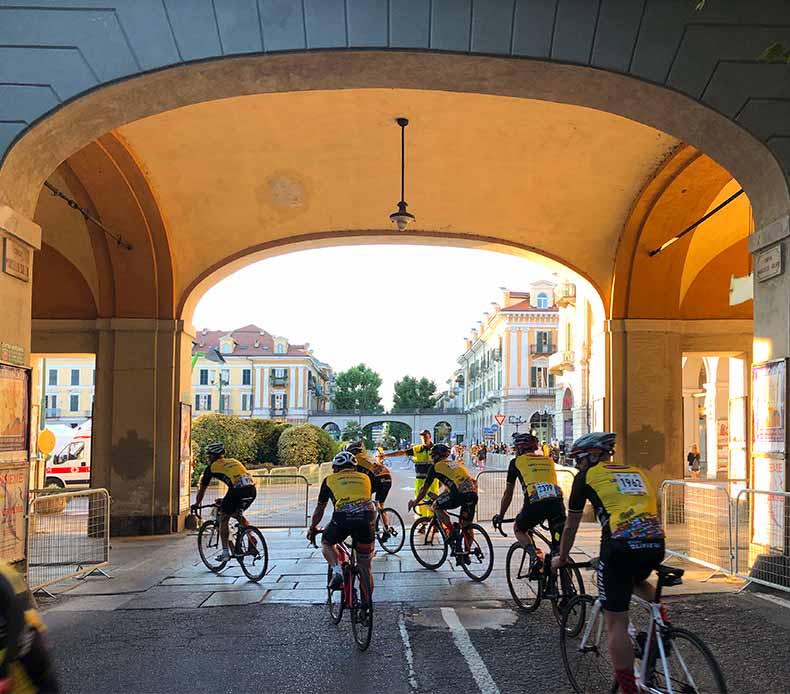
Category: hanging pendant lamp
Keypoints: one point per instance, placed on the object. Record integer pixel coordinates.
(402, 217)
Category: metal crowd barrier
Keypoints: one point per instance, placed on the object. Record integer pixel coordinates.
(762, 538)
(68, 535)
(697, 522)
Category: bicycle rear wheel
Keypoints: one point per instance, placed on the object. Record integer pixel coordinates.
(692, 667)
(209, 544)
(361, 615)
(569, 584)
(392, 536)
(428, 546)
(334, 599)
(526, 592)
(252, 553)
(480, 559)
(585, 653)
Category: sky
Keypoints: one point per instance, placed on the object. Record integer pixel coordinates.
(399, 309)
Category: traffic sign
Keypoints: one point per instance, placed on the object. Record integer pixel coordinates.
(490, 431)
(500, 419)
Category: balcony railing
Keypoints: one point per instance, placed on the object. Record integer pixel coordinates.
(540, 392)
(541, 348)
(279, 380)
(566, 294)
(53, 412)
(278, 411)
(561, 361)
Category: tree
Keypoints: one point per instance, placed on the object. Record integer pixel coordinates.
(358, 389)
(235, 433)
(411, 394)
(267, 434)
(351, 431)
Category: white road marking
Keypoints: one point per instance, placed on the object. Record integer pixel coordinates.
(774, 599)
(404, 634)
(476, 665)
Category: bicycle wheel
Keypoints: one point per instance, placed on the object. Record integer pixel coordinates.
(252, 553)
(334, 600)
(392, 536)
(692, 667)
(526, 592)
(569, 584)
(428, 546)
(361, 616)
(480, 559)
(209, 545)
(585, 653)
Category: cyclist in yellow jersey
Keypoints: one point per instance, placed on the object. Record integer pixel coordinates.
(542, 496)
(240, 495)
(421, 455)
(632, 541)
(460, 488)
(354, 514)
(379, 474)
(25, 664)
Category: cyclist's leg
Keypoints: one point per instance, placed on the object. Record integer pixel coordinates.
(383, 486)
(527, 519)
(363, 537)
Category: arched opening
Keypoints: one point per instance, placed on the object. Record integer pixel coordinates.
(442, 432)
(541, 424)
(388, 434)
(333, 430)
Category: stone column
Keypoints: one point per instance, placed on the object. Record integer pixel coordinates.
(141, 365)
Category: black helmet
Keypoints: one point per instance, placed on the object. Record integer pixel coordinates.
(215, 450)
(343, 459)
(439, 451)
(603, 440)
(355, 447)
(425, 432)
(525, 440)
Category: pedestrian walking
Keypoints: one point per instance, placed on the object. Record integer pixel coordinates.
(693, 460)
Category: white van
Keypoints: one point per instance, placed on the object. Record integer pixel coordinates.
(71, 466)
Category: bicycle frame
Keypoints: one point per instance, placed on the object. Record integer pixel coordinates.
(656, 625)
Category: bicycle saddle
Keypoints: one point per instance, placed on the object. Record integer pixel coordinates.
(670, 575)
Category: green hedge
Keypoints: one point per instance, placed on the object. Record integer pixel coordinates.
(306, 444)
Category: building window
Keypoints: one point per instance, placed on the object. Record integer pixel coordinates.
(224, 375)
(51, 402)
(94, 377)
(246, 377)
(280, 349)
(74, 402)
(246, 401)
(75, 377)
(197, 403)
(204, 377)
(203, 402)
(539, 377)
(543, 300)
(224, 403)
(53, 377)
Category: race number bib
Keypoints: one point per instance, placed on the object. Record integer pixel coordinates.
(630, 483)
(545, 490)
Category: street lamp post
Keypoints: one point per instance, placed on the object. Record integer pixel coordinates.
(517, 421)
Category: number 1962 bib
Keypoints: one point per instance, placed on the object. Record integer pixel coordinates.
(630, 483)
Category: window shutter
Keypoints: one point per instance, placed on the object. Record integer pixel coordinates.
(533, 376)
(551, 380)
(208, 402)
(197, 403)
(272, 401)
(285, 401)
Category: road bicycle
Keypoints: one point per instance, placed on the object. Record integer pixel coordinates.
(348, 596)
(529, 587)
(248, 543)
(390, 535)
(668, 659)
(431, 541)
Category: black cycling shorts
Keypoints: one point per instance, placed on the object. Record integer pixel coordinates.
(550, 510)
(623, 564)
(361, 527)
(467, 501)
(238, 499)
(381, 487)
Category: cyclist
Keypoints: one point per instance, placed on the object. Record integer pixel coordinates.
(354, 514)
(25, 664)
(380, 476)
(460, 490)
(542, 497)
(240, 495)
(632, 541)
(421, 455)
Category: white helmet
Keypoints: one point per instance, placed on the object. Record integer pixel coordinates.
(343, 459)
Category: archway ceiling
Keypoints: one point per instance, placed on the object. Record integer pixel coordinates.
(236, 173)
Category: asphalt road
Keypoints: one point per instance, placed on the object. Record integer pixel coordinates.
(278, 648)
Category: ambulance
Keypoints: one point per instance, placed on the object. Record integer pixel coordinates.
(71, 466)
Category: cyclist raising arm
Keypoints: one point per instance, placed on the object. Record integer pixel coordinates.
(421, 455)
(354, 514)
(632, 541)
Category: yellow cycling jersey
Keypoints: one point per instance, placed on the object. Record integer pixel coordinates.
(369, 466)
(537, 475)
(227, 470)
(453, 475)
(349, 490)
(623, 501)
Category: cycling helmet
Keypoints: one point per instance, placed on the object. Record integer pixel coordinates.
(343, 459)
(526, 440)
(439, 451)
(355, 447)
(603, 440)
(215, 450)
